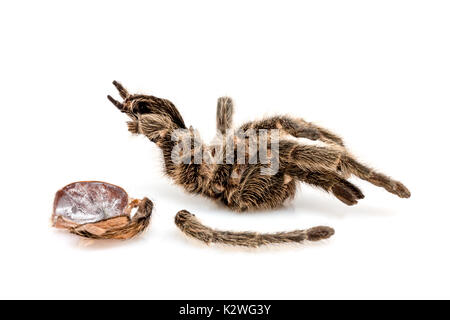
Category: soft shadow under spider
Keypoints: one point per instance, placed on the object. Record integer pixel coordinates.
(99, 244)
(326, 207)
(108, 244)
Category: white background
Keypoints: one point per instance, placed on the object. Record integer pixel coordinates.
(376, 72)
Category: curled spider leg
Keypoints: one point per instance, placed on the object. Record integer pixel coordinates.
(153, 126)
(135, 105)
(329, 181)
(122, 107)
(122, 91)
(316, 158)
(350, 164)
(297, 128)
(286, 124)
(326, 135)
(118, 104)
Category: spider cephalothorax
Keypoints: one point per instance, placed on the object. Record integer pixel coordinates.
(243, 186)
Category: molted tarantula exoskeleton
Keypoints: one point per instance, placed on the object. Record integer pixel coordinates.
(255, 166)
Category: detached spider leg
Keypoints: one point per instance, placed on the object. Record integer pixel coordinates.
(192, 227)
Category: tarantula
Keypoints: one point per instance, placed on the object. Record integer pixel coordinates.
(242, 186)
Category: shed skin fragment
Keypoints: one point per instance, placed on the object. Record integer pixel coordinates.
(99, 210)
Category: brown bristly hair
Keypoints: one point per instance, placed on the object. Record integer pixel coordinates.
(242, 187)
(120, 227)
(191, 226)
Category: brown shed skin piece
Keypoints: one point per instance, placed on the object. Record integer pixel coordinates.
(99, 210)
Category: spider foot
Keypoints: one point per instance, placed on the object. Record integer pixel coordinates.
(390, 185)
(347, 192)
(319, 233)
(400, 190)
(133, 126)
